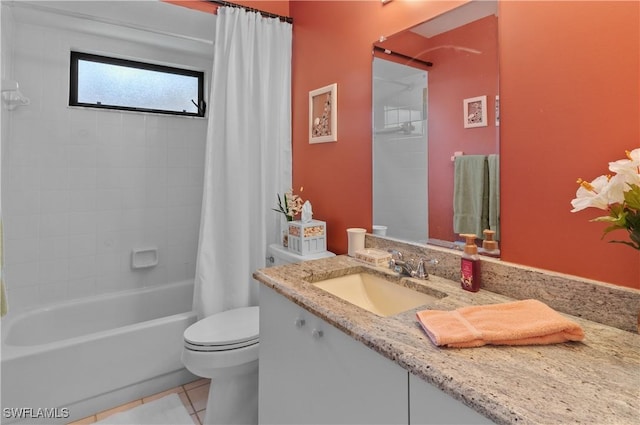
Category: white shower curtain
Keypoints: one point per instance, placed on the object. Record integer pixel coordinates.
(248, 157)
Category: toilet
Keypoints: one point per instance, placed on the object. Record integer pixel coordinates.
(224, 348)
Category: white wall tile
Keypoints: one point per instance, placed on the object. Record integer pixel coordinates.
(53, 292)
(54, 201)
(54, 225)
(54, 178)
(21, 275)
(83, 178)
(80, 288)
(53, 248)
(82, 267)
(20, 202)
(82, 245)
(21, 226)
(84, 186)
(53, 271)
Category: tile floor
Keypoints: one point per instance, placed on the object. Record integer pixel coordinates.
(193, 396)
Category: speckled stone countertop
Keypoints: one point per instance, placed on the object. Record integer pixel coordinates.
(596, 381)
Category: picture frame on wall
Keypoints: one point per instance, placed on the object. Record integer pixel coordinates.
(475, 112)
(323, 114)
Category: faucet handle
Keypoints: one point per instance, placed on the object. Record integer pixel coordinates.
(421, 270)
(395, 254)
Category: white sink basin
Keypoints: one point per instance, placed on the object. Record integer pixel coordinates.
(376, 294)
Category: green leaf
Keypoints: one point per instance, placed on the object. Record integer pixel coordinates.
(627, 243)
(632, 197)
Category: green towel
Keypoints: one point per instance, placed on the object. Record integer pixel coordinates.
(493, 162)
(3, 300)
(471, 195)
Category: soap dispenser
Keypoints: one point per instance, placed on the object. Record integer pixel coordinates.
(490, 246)
(470, 265)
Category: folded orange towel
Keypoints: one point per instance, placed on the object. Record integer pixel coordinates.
(528, 322)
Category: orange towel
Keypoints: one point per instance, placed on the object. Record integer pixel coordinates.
(528, 322)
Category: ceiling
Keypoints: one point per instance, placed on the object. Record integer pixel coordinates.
(151, 21)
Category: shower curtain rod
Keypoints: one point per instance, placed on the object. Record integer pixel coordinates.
(410, 58)
(251, 9)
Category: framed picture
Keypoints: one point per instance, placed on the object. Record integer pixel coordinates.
(475, 112)
(323, 114)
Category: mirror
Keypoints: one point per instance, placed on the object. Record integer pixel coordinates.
(435, 96)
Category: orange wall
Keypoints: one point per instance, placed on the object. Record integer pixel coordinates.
(569, 94)
(569, 91)
(569, 98)
(332, 43)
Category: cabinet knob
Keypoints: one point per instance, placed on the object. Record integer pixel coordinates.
(299, 323)
(317, 333)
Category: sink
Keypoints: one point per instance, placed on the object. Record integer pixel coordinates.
(377, 294)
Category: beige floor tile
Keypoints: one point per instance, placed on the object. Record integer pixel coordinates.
(100, 416)
(162, 394)
(84, 421)
(196, 383)
(198, 397)
(195, 419)
(201, 416)
(186, 402)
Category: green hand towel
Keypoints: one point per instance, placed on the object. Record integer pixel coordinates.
(493, 162)
(471, 195)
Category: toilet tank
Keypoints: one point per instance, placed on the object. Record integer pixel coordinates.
(278, 255)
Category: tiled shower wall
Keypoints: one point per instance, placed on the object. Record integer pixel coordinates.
(81, 188)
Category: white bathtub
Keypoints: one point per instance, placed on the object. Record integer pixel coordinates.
(80, 357)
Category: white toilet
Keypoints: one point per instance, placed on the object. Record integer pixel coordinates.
(224, 347)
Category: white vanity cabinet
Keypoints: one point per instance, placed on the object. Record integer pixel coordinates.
(312, 373)
(430, 405)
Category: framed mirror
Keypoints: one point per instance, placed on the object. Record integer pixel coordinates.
(435, 109)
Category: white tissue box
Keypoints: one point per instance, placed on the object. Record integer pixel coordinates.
(307, 238)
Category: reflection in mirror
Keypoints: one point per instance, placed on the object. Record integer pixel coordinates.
(421, 79)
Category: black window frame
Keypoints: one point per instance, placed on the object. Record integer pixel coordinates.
(73, 83)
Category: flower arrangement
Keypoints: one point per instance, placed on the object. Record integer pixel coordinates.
(618, 194)
(290, 204)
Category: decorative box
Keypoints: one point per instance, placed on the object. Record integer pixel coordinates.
(375, 257)
(307, 238)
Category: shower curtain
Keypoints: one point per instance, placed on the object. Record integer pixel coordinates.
(248, 157)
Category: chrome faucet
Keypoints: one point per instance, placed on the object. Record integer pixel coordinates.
(409, 267)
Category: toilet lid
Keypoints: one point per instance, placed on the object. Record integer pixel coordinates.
(230, 329)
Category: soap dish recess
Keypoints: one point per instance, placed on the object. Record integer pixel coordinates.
(144, 258)
(375, 257)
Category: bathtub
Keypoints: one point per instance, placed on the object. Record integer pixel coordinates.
(67, 361)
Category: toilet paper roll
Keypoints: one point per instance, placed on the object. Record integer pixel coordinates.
(355, 237)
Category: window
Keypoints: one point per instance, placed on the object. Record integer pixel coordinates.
(408, 119)
(112, 83)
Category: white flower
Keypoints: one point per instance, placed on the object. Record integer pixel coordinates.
(628, 168)
(591, 194)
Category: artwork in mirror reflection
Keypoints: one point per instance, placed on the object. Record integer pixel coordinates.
(421, 78)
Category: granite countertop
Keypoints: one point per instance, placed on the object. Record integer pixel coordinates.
(596, 381)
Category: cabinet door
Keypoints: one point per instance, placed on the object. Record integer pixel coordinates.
(312, 373)
(430, 405)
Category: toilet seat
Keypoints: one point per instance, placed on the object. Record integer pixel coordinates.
(229, 330)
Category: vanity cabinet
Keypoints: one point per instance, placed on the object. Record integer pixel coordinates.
(430, 405)
(312, 373)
